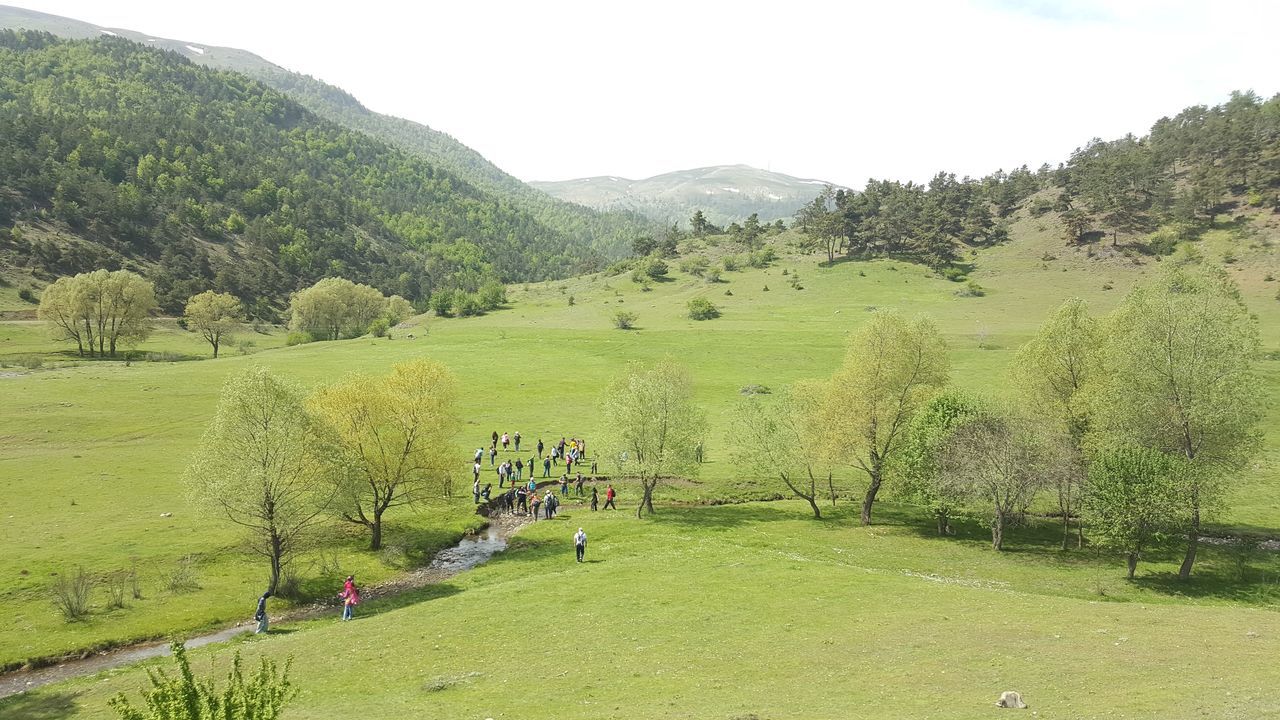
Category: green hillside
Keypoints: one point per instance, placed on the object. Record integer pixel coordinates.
(606, 233)
(113, 154)
(538, 367)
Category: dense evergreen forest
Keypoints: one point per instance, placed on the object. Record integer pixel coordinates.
(1163, 187)
(206, 179)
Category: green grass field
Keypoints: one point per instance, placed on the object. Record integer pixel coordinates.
(717, 612)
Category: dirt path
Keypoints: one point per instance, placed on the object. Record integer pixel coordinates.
(470, 552)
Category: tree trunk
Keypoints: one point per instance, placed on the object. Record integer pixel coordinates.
(277, 559)
(1193, 543)
(1066, 530)
(215, 349)
(997, 532)
(646, 500)
(375, 540)
(1133, 563)
(944, 522)
(817, 513)
(870, 497)
(831, 486)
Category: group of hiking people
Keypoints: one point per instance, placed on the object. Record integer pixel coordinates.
(521, 497)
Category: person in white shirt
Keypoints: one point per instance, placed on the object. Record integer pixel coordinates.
(580, 543)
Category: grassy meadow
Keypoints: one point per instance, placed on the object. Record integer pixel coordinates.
(722, 612)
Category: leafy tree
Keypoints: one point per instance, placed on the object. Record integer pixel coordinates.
(892, 368)
(101, 309)
(386, 440)
(780, 436)
(1180, 378)
(998, 459)
(216, 316)
(185, 697)
(442, 303)
(918, 466)
(1052, 372)
(698, 224)
(252, 467)
(652, 425)
(397, 310)
(1133, 499)
(335, 308)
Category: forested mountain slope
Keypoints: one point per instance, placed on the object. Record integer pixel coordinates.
(607, 233)
(115, 154)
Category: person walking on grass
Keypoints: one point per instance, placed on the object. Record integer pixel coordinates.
(546, 467)
(486, 492)
(564, 485)
(479, 455)
(494, 439)
(594, 470)
(350, 597)
(493, 454)
(540, 446)
(506, 440)
(580, 544)
(475, 470)
(522, 501)
(579, 484)
(609, 495)
(261, 614)
(595, 499)
(535, 501)
(519, 469)
(475, 491)
(516, 437)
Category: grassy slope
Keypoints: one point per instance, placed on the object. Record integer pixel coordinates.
(537, 368)
(747, 611)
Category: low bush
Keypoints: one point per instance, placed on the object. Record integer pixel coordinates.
(971, 289)
(701, 308)
(624, 320)
(71, 594)
(299, 337)
(28, 295)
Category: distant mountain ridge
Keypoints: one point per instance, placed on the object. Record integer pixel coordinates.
(607, 233)
(724, 193)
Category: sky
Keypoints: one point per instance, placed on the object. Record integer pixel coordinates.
(838, 91)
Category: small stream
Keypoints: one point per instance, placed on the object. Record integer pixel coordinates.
(471, 551)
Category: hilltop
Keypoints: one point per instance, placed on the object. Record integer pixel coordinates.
(724, 193)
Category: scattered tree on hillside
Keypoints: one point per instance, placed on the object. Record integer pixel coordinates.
(779, 436)
(698, 224)
(998, 459)
(1052, 371)
(99, 310)
(1134, 499)
(216, 316)
(387, 440)
(892, 368)
(652, 427)
(1180, 378)
(253, 468)
(917, 467)
(335, 308)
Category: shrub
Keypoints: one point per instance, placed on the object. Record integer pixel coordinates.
(442, 303)
(183, 696)
(624, 320)
(71, 593)
(971, 289)
(467, 304)
(954, 274)
(379, 327)
(117, 585)
(298, 337)
(712, 275)
(571, 301)
(696, 265)
(701, 308)
(493, 295)
(1040, 206)
(655, 268)
(27, 295)
(730, 263)
(182, 578)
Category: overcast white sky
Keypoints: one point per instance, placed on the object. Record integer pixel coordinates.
(840, 91)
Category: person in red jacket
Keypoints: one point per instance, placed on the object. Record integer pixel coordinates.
(609, 494)
(350, 597)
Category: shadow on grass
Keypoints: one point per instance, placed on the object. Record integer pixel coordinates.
(40, 705)
(388, 603)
